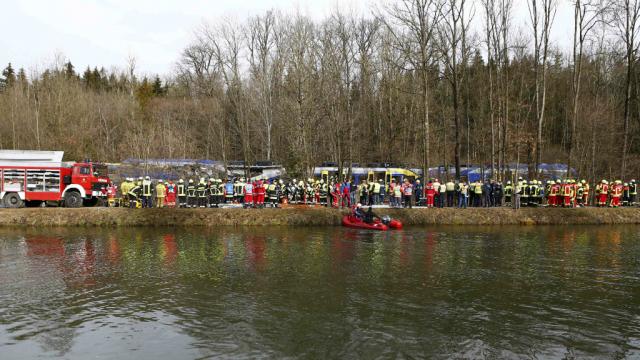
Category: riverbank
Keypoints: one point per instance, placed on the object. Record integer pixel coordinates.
(309, 216)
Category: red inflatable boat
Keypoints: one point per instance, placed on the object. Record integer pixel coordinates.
(353, 222)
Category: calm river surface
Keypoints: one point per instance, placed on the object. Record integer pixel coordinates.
(462, 292)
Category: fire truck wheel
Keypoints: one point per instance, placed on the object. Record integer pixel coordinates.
(72, 199)
(12, 200)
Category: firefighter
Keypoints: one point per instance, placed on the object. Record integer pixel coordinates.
(633, 192)
(134, 194)
(625, 194)
(125, 186)
(147, 192)
(534, 193)
(580, 194)
(324, 193)
(551, 193)
(566, 193)
(182, 194)
(603, 193)
(534, 197)
(272, 194)
(508, 191)
(238, 189)
(211, 192)
(573, 192)
(192, 200)
(201, 191)
(111, 195)
(616, 193)
(212, 189)
(281, 192)
(161, 193)
(221, 185)
(585, 193)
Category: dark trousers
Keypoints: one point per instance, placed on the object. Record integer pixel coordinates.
(406, 199)
(441, 200)
(450, 198)
(477, 200)
(182, 201)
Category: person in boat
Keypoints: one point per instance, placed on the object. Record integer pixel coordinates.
(370, 216)
(358, 212)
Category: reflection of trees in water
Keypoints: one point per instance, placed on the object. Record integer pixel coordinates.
(249, 286)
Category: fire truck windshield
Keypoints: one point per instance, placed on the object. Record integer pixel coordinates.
(100, 170)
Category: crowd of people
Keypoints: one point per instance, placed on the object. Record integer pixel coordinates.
(215, 192)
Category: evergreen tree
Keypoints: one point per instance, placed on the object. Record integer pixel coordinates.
(8, 77)
(69, 70)
(87, 78)
(22, 76)
(97, 79)
(144, 93)
(158, 89)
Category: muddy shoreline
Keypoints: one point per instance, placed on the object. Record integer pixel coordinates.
(309, 216)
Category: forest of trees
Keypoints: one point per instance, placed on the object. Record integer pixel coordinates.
(411, 83)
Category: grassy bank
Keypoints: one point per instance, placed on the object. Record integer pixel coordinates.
(307, 216)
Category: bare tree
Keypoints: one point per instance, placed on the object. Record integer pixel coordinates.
(413, 23)
(265, 67)
(452, 38)
(585, 16)
(627, 20)
(541, 14)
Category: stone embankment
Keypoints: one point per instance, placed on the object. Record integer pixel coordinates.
(307, 216)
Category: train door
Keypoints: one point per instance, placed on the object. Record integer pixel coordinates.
(324, 175)
(387, 178)
(371, 176)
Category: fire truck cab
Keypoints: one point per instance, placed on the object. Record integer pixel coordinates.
(37, 177)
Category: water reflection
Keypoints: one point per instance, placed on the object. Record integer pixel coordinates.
(278, 292)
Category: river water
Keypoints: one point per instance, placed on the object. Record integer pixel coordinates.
(438, 292)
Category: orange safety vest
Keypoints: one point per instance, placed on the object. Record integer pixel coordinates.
(566, 190)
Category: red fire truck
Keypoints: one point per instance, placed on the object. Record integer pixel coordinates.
(38, 177)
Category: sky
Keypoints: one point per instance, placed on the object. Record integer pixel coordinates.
(105, 33)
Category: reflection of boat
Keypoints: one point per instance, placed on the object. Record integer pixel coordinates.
(353, 222)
